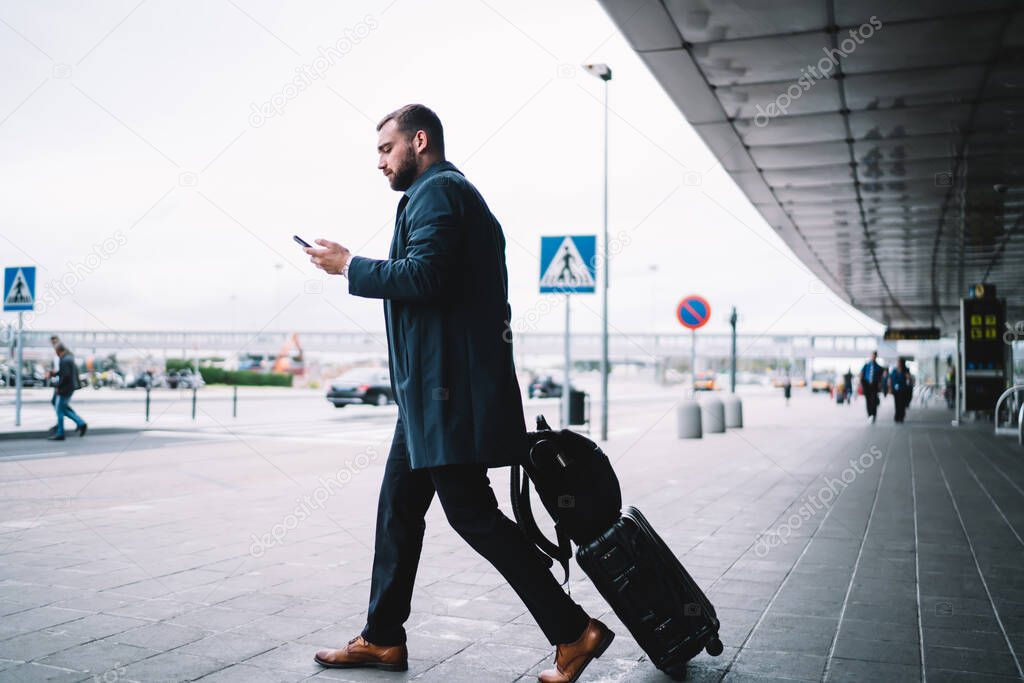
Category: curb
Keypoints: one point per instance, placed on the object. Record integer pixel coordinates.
(42, 433)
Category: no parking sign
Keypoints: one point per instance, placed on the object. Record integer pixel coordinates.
(693, 312)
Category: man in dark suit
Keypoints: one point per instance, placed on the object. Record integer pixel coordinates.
(871, 382)
(446, 312)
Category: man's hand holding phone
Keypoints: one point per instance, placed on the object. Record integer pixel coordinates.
(332, 258)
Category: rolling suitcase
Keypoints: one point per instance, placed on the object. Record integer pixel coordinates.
(651, 593)
(633, 569)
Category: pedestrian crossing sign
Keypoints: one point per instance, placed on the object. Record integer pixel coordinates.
(19, 288)
(568, 264)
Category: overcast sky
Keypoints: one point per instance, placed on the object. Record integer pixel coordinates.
(142, 171)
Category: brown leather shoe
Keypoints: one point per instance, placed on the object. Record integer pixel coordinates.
(572, 658)
(361, 653)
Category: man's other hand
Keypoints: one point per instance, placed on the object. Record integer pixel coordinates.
(331, 259)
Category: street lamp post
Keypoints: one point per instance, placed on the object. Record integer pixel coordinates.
(604, 72)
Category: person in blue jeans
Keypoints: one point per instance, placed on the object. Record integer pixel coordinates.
(67, 382)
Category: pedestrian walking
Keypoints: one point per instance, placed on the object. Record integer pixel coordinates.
(871, 382)
(950, 389)
(901, 384)
(51, 376)
(446, 312)
(67, 383)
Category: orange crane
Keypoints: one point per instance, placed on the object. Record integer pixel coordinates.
(285, 361)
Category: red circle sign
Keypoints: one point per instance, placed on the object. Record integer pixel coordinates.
(693, 312)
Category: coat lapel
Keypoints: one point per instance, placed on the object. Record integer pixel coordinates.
(399, 237)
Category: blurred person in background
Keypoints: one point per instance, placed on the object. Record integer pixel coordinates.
(67, 383)
(52, 373)
(950, 392)
(901, 386)
(871, 382)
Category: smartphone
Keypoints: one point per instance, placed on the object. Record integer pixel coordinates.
(302, 241)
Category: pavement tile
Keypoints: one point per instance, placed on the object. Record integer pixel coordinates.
(785, 664)
(29, 646)
(159, 636)
(416, 667)
(848, 647)
(170, 667)
(512, 659)
(37, 618)
(229, 647)
(243, 673)
(296, 657)
(280, 628)
(39, 673)
(99, 656)
(971, 661)
(858, 671)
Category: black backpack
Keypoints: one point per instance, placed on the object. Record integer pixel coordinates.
(576, 484)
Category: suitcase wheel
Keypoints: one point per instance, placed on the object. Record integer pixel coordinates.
(715, 647)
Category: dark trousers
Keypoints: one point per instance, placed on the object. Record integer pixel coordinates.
(901, 398)
(472, 510)
(871, 398)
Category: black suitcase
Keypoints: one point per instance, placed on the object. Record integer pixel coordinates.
(651, 593)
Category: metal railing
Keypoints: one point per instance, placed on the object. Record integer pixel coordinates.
(924, 394)
(1014, 406)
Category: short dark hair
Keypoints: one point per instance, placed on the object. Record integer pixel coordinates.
(414, 117)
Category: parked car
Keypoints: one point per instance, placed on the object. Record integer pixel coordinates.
(32, 375)
(189, 380)
(144, 380)
(545, 386)
(705, 381)
(821, 381)
(361, 385)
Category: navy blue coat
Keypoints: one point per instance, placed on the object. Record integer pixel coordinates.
(447, 316)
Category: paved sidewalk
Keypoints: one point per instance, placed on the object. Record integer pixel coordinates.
(235, 560)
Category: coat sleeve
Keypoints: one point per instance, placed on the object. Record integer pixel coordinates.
(432, 251)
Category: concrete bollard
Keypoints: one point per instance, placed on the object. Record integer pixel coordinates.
(733, 411)
(712, 416)
(688, 420)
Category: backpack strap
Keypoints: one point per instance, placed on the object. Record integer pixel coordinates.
(523, 511)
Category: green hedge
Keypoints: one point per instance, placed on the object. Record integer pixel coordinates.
(248, 378)
(245, 378)
(188, 363)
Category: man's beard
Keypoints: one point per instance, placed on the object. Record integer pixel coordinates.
(404, 174)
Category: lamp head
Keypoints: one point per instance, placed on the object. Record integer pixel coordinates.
(602, 71)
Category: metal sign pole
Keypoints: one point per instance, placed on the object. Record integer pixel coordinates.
(693, 360)
(732, 364)
(17, 381)
(568, 360)
(959, 377)
(605, 369)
